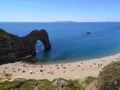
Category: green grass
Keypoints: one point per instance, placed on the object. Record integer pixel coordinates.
(40, 84)
(81, 84)
(10, 85)
(109, 75)
(4, 34)
(31, 84)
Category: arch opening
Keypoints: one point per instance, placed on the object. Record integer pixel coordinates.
(39, 49)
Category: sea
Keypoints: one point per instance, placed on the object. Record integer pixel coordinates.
(69, 40)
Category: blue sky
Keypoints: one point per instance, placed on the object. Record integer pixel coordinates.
(59, 10)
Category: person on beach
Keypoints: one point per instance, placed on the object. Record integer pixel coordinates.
(42, 72)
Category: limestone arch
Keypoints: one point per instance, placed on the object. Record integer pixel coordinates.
(36, 35)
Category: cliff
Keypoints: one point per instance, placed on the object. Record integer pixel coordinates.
(14, 48)
(56, 84)
(109, 78)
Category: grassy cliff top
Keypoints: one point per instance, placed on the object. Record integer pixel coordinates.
(57, 84)
(4, 34)
(109, 78)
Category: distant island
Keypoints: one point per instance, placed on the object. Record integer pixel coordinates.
(65, 21)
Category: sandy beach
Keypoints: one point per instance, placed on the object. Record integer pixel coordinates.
(73, 70)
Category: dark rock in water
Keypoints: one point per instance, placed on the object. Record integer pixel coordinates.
(14, 48)
(88, 33)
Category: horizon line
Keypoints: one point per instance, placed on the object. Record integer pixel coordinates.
(56, 21)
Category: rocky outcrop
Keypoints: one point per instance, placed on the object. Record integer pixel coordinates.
(61, 84)
(14, 48)
(88, 33)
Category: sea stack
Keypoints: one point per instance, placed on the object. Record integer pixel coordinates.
(88, 33)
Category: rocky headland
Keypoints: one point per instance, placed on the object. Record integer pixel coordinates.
(14, 48)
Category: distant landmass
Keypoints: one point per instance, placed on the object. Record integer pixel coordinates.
(65, 21)
(85, 22)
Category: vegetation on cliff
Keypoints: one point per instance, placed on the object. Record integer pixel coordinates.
(4, 34)
(109, 78)
(57, 84)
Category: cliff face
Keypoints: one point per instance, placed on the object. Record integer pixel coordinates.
(109, 78)
(14, 48)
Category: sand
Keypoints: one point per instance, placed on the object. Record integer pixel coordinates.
(72, 70)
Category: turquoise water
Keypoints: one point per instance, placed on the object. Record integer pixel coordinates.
(69, 40)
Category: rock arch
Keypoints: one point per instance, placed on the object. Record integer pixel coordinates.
(14, 48)
(35, 35)
(39, 46)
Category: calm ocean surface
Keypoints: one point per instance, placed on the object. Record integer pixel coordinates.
(69, 40)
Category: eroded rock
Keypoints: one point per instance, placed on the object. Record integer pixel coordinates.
(14, 48)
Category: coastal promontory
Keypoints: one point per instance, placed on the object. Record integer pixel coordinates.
(14, 48)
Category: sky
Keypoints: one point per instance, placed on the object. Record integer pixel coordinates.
(59, 10)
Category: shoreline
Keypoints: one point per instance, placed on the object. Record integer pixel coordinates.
(70, 70)
(78, 60)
